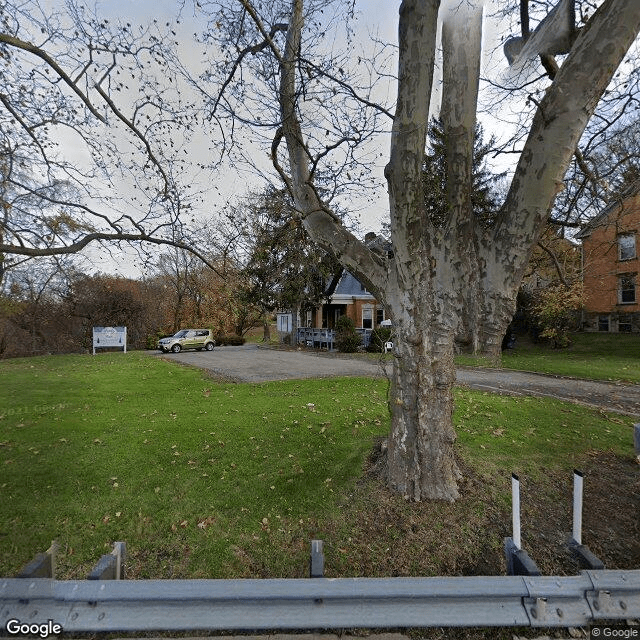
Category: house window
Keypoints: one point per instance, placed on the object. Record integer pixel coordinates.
(627, 246)
(379, 315)
(367, 318)
(627, 289)
(603, 323)
(624, 323)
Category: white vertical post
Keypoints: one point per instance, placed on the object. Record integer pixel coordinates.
(577, 505)
(515, 506)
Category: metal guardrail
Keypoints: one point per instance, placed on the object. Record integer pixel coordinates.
(39, 604)
(321, 603)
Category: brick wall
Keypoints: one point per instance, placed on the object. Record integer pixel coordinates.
(604, 267)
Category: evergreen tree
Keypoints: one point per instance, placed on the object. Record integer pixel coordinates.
(284, 269)
(485, 184)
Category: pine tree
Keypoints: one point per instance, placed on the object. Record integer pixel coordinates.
(485, 184)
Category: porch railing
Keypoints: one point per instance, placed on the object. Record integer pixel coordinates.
(325, 338)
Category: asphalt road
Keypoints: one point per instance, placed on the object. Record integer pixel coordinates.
(253, 363)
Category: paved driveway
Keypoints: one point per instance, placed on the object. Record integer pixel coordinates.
(253, 363)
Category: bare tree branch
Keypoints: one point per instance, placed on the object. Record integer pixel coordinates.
(78, 245)
(348, 87)
(556, 263)
(43, 55)
(252, 49)
(139, 135)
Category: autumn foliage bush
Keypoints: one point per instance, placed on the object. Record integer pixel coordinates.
(555, 312)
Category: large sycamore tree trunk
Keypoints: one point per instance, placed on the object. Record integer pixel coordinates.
(459, 278)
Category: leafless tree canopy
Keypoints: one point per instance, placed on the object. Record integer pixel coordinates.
(97, 132)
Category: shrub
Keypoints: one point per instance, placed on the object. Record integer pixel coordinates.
(152, 339)
(347, 339)
(233, 341)
(378, 338)
(555, 311)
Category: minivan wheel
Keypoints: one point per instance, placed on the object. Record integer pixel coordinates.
(209, 346)
(176, 348)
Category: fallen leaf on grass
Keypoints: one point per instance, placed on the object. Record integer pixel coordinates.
(206, 522)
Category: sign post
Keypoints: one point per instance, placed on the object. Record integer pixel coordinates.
(104, 337)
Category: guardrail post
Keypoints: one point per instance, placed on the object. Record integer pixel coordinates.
(583, 554)
(111, 565)
(316, 564)
(518, 561)
(43, 565)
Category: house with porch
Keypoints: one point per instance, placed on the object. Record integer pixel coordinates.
(610, 266)
(345, 295)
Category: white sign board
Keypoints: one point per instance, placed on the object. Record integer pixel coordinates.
(109, 337)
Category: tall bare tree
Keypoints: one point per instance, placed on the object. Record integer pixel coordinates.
(444, 279)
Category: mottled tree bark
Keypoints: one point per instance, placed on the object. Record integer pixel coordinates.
(459, 279)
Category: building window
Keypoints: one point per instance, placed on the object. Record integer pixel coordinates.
(379, 316)
(624, 323)
(627, 289)
(367, 318)
(627, 246)
(603, 323)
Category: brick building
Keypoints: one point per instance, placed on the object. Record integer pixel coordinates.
(347, 296)
(611, 265)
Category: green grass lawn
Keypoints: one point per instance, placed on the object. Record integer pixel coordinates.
(208, 479)
(598, 356)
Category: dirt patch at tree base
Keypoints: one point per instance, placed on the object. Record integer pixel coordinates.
(391, 537)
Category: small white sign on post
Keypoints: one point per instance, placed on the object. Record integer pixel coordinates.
(104, 337)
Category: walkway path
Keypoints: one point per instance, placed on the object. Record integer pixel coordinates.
(253, 363)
